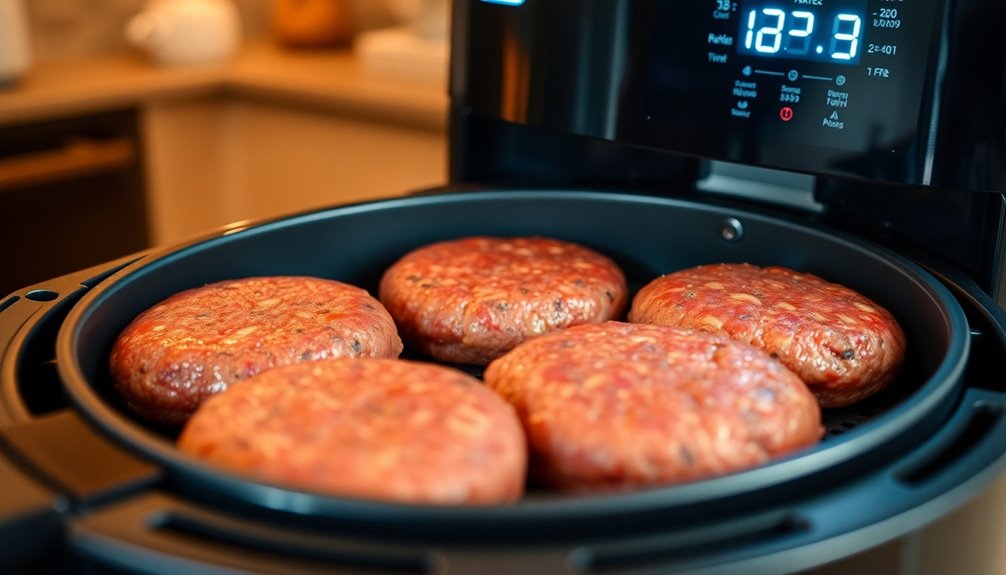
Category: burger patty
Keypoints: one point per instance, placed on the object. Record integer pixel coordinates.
(381, 429)
(471, 300)
(198, 342)
(619, 404)
(844, 346)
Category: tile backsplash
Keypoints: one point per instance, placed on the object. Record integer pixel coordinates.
(72, 29)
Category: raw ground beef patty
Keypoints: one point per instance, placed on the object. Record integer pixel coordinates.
(382, 429)
(198, 342)
(619, 404)
(472, 299)
(844, 346)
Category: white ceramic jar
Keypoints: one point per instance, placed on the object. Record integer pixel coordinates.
(186, 32)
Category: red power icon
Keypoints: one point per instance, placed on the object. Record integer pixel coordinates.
(786, 113)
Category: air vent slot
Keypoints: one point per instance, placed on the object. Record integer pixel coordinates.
(691, 548)
(983, 419)
(329, 554)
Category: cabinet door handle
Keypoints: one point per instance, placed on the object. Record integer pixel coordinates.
(78, 157)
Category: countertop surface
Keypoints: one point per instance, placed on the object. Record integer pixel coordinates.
(334, 80)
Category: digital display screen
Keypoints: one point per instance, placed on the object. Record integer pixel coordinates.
(820, 85)
(813, 30)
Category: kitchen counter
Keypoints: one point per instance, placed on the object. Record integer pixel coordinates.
(279, 130)
(332, 80)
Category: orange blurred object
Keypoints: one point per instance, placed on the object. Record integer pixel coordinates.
(312, 23)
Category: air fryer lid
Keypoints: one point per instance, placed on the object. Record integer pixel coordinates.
(647, 236)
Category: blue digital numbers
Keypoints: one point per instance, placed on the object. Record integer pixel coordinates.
(812, 32)
(845, 36)
(800, 33)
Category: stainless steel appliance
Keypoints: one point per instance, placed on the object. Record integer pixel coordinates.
(861, 140)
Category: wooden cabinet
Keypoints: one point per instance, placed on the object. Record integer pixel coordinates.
(272, 133)
(221, 159)
(71, 195)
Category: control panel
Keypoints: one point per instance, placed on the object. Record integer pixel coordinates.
(902, 92)
(810, 83)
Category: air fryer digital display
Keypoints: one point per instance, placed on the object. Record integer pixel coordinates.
(805, 31)
(806, 84)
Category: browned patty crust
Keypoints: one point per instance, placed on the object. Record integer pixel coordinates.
(843, 345)
(619, 404)
(381, 429)
(197, 342)
(470, 300)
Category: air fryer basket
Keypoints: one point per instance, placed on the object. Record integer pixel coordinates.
(647, 236)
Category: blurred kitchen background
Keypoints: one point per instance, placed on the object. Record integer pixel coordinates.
(126, 124)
